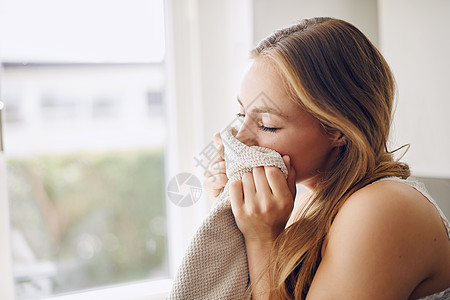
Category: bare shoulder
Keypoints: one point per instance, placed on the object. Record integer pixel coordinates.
(386, 201)
(394, 206)
(394, 217)
(386, 241)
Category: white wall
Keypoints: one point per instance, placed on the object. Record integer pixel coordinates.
(415, 39)
(270, 15)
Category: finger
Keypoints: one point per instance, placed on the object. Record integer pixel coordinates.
(248, 185)
(219, 155)
(261, 184)
(216, 168)
(236, 197)
(277, 181)
(291, 175)
(215, 182)
(210, 188)
(217, 139)
(213, 193)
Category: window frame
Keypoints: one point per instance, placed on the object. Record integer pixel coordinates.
(6, 275)
(146, 290)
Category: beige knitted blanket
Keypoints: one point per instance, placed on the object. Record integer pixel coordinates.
(215, 263)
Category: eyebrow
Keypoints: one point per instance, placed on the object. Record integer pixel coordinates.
(264, 109)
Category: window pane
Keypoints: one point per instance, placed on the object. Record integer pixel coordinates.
(82, 30)
(85, 176)
(85, 144)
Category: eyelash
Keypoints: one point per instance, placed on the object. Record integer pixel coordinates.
(262, 127)
(269, 129)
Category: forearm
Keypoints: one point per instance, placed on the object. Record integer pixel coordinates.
(258, 260)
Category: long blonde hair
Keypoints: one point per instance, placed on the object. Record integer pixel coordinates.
(335, 73)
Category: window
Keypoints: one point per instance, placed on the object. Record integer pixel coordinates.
(13, 108)
(85, 159)
(54, 106)
(123, 113)
(155, 102)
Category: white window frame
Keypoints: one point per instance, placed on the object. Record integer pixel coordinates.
(148, 290)
(6, 280)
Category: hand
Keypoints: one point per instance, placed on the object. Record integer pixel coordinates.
(215, 176)
(262, 202)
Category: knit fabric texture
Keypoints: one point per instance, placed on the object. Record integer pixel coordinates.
(215, 263)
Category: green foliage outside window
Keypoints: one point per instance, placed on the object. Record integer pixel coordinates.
(99, 218)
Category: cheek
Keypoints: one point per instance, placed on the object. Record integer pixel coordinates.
(299, 156)
(277, 142)
(308, 152)
(285, 145)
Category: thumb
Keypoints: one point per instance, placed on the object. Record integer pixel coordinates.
(234, 131)
(291, 175)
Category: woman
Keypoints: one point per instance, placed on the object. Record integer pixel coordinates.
(362, 231)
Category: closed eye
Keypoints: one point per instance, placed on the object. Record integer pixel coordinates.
(262, 127)
(269, 129)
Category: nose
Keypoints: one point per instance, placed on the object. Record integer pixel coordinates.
(246, 135)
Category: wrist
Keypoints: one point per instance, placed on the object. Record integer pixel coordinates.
(259, 243)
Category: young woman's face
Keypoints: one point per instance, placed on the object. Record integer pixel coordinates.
(271, 119)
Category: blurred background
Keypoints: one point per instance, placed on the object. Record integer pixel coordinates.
(106, 101)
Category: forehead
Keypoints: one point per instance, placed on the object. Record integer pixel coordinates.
(263, 88)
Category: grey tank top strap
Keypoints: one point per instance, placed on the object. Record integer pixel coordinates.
(444, 295)
(420, 187)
